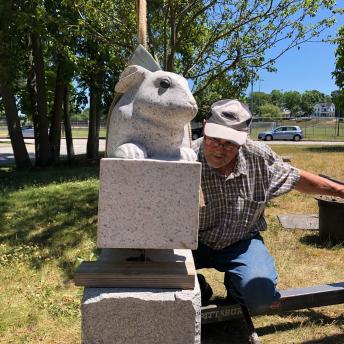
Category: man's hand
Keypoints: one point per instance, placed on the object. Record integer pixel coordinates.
(312, 183)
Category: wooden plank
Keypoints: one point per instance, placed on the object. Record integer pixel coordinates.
(180, 275)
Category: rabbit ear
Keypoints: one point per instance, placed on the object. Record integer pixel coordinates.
(131, 76)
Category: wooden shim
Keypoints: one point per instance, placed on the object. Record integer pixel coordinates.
(176, 275)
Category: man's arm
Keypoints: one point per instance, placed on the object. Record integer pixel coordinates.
(312, 183)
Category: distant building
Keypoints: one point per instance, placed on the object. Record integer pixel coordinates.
(286, 113)
(324, 110)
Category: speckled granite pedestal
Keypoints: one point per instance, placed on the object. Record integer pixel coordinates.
(145, 316)
(148, 204)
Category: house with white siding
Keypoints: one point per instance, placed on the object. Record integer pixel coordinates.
(324, 110)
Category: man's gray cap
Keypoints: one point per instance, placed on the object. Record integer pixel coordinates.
(230, 120)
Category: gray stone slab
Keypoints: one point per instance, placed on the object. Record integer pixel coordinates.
(148, 204)
(299, 221)
(131, 316)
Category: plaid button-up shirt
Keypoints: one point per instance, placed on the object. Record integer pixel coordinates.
(234, 205)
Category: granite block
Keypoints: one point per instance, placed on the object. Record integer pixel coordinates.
(148, 204)
(145, 316)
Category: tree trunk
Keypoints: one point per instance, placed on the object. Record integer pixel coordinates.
(21, 155)
(31, 82)
(55, 129)
(94, 124)
(41, 122)
(67, 125)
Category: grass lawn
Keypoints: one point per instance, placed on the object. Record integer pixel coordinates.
(48, 224)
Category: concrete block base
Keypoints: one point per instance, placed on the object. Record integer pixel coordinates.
(145, 316)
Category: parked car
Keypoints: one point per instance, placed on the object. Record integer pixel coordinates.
(282, 133)
(28, 132)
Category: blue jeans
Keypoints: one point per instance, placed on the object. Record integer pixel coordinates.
(251, 276)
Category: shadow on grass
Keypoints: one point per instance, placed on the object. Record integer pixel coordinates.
(12, 179)
(334, 339)
(326, 149)
(314, 318)
(316, 241)
(53, 210)
(234, 332)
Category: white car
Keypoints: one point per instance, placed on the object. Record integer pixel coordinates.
(282, 133)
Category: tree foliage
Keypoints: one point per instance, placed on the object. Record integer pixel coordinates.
(338, 95)
(338, 100)
(208, 40)
(339, 70)
(269, 110)
(83, 45)
(276, 103)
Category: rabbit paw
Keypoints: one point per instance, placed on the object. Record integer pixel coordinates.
(130, 151)
(187, 154)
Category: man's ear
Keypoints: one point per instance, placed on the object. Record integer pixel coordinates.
(131, 76)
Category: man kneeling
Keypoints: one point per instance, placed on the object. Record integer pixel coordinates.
(239, 177)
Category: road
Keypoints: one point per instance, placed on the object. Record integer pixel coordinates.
(6, 152)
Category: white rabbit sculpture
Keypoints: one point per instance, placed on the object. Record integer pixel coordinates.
(150, 119)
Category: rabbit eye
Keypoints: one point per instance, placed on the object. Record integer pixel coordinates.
(165, 83)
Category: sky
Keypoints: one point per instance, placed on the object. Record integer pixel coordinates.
(308, 68)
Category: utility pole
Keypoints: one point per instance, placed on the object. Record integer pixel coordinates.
(141, 10)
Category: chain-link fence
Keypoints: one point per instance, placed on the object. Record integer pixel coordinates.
(313, 128)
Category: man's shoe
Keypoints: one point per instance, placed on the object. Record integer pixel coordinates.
(206, 291)
(230, 300)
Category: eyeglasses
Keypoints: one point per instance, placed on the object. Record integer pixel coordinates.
(216, 143)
